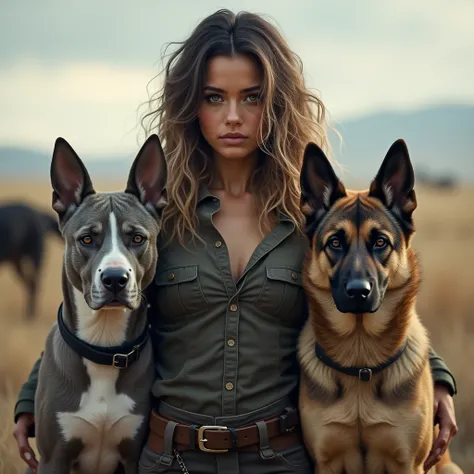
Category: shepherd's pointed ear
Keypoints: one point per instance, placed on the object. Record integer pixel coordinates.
(69, 178)
(147, 178)
(395, 181)
(320, 187)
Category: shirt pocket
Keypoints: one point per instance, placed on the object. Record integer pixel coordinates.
(179, 292)
(282, 293)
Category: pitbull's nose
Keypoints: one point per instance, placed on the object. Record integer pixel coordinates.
(358, 289)
(114, 279)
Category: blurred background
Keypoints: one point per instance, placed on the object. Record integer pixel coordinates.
(84, 70)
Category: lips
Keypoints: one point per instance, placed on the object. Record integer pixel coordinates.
(233, 135)
(115, 303)
(233, 138)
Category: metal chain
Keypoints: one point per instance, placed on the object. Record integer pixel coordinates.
(180, 460)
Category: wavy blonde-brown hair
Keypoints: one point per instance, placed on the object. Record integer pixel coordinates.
(292, 116)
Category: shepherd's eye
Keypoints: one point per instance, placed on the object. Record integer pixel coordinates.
(335, 243)
(380, 243)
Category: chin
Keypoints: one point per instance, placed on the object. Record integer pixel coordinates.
(234, 153)
(114, 305)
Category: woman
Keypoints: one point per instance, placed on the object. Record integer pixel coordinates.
(227, 303)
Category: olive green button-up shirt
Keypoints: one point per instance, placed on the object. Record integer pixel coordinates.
(225, 347)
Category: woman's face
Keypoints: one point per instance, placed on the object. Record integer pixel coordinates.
(230, 114)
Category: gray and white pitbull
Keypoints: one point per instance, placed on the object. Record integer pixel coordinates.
(93, 397)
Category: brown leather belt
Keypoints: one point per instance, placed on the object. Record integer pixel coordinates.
(282, 434)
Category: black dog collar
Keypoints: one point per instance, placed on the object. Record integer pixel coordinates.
(364, 373)
(115, 356)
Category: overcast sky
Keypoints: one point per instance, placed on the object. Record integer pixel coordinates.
(80, 68)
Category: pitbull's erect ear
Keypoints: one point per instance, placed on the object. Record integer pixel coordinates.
(69, 178)
(147, 178)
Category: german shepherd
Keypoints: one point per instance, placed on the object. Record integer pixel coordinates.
(366, 395)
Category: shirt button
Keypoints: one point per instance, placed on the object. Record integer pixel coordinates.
(294, 276)
(218, 244)
(229, 386)
(231, 343)
(233, 308)
(171, 276)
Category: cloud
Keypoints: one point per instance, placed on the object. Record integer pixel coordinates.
(133, 33)
(95, 106)
(80, 68)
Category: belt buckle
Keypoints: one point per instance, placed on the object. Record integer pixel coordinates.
(202, 440)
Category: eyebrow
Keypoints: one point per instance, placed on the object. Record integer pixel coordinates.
(217, 89)
(95, 228)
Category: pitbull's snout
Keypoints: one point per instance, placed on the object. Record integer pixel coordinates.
(115, 279)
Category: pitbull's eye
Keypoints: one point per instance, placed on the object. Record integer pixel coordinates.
(138, 239)
(380, 243)
(335, 243)
(86, 240)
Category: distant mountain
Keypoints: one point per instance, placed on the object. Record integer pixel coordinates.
(440, 140)
(16, 162)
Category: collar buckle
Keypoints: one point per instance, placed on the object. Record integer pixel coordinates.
(365, 374)
(120, 361)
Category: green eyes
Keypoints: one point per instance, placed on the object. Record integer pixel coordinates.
(217, 99)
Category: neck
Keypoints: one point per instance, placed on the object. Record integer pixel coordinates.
(368, 339)
(357, 344)
(233, 176)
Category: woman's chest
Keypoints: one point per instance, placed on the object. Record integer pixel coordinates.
(191, 282)
(238, 224)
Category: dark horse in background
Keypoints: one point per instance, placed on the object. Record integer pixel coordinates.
(23, 231)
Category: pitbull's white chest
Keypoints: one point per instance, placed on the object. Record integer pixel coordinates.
(103, 420)
(104, 417)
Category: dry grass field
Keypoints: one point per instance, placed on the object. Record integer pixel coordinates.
(445, 241)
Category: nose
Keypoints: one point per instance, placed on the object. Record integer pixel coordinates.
(233, 115)
(358, 289)
(114, 279)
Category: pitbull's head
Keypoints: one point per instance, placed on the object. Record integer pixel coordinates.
(110, 238)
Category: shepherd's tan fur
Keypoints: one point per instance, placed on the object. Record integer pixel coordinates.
(385, 425)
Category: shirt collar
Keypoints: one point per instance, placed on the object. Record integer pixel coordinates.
(204, 193)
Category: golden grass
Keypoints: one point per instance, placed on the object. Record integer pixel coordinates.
(445, 242)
